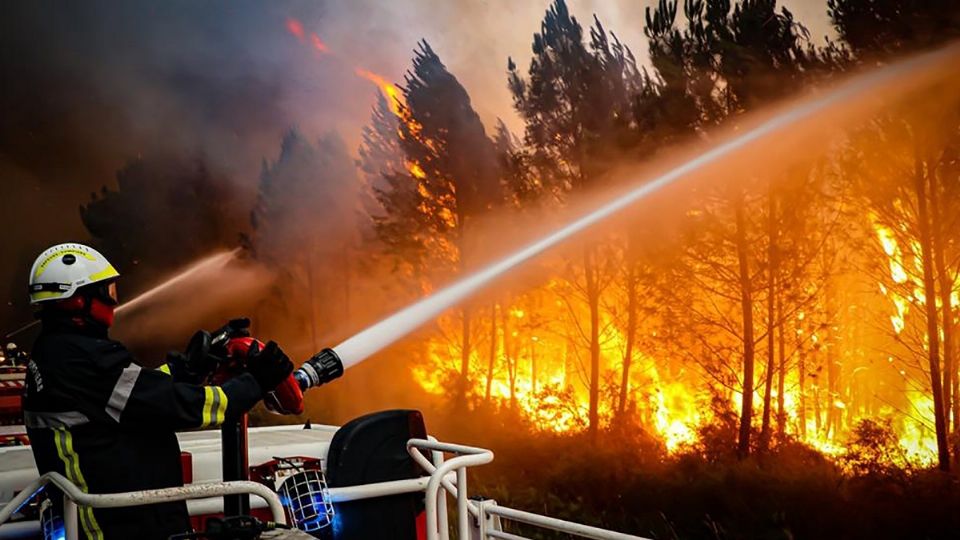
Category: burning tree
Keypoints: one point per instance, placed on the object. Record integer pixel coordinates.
(724, 63)
(907, 166)
(576, 104)
(759, 305)
(451, 179)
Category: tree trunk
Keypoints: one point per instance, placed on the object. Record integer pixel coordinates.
(833, 412)
(631, 335)
(946, 288)
(507, 356)
(593, 299)
(933, 330)
(802, 384)
(781, 370)
(746, 307)
(771, 320)
(465, 354)
(493, 350)
(832, 395)
(817, 412)
(533, 366)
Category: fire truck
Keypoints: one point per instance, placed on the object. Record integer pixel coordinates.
(377, 477)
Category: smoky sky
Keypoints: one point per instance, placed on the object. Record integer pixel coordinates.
(88, 86)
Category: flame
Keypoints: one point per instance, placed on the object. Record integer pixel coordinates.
(544, 379)
(318, 44)
(295, 28)
(898, 274)
(917, 439)
(542, 373)
(417, 171)
(394, 97)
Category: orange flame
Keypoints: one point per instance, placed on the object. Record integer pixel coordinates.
(389, 89)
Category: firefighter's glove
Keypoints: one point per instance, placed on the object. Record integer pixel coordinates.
(269, 366)
(200, 362)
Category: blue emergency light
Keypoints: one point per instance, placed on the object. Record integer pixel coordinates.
(305, 496)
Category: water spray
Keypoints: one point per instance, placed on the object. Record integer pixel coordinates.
(213, 262)
(382, 334)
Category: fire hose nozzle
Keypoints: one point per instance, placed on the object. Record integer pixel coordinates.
(321, 368)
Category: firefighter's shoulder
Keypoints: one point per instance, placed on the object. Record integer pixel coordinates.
(66, 349)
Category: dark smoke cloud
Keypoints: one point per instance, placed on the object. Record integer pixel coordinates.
(87, 86)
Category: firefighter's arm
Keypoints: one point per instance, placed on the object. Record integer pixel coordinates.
(107, 385)
(149, 397)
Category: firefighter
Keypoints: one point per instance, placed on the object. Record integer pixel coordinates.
(95, 415)
(14, 355)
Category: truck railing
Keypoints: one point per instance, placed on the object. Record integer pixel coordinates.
(476, 519)
(481, 520)
(73, 497)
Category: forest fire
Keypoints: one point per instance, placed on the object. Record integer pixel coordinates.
(710, 290)
(390, 90)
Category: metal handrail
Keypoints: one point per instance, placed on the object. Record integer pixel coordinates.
(74, 496)
(441, 473)
(467, 456)
(490, 508)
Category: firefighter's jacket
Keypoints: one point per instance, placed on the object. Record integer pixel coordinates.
(107, 424)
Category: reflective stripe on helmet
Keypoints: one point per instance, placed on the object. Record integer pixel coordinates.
(106, 273)
(38, 271)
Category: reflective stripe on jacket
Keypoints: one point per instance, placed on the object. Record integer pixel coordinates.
(107, 424)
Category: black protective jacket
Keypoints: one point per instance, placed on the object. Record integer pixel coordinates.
(108, 425)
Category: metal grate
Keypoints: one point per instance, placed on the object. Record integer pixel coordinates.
(51, 523)
(305, 497)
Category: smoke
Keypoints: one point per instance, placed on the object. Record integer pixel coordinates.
(90, 86)
(804, 124)
(203, 295)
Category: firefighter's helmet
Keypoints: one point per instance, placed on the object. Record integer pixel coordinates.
(62, 269)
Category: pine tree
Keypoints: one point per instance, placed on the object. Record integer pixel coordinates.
(164, 214)
(455, 166)
(305, 214)
(918, 189)
(393, 200)
(575, 102)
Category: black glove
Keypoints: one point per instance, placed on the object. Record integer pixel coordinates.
(198, 359)
(269, 367)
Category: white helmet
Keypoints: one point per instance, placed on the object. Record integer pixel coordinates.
(59, 271)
